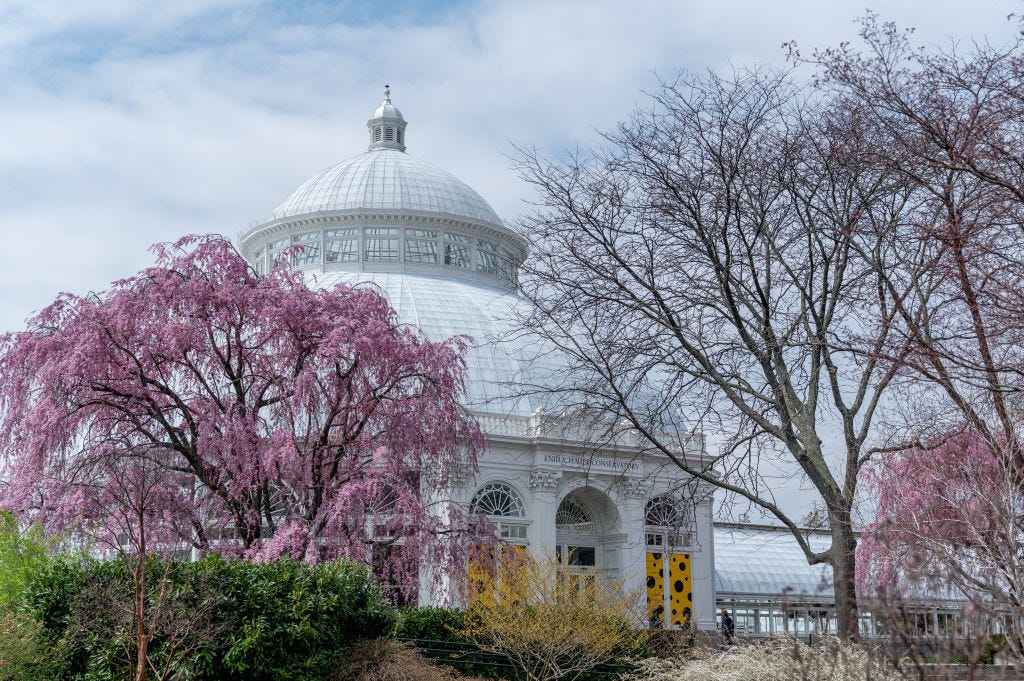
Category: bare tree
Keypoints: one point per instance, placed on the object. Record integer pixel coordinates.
(141, 521)
(705, 263)
(950, 502)
(952, 120)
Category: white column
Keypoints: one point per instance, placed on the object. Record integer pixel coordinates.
(703, 567)
(632, 505)
(543, 505)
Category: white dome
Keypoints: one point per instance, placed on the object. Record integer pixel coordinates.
(387, 180)
(387, 110)
(431, 245)
(500, 360)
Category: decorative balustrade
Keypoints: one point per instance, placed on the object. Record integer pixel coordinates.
(543, 425)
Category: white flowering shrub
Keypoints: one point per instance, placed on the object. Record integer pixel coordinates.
(780, 659)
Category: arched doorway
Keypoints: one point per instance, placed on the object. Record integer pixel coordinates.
(588, 532)
(669, 530)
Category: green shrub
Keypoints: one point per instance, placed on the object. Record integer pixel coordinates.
(431, 624)
(281, 620)
(24, 551)
(49, 600)
(24, 653)
(294, 621)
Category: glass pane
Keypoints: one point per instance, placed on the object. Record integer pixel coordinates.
(275, 249)
(381, 249)
(420, 234)
(310, 243)
(506, 271)
(456, 255)
(585, 556)
(418, 250)
(342, 250)
(456, 238)
(507, 531)
(498, 500)
(486, 261)
(381, 231)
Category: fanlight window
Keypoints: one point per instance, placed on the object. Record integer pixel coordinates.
(572, 515)
(501, 503)
(663, 512)
(498, 501)
(667, 523)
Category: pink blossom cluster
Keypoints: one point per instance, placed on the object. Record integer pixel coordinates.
(946, 518)
(218, 409)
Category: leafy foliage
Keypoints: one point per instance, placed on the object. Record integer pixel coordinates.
(431, 624)
(278, 620)
(295, 620)
(23, 553)
(23, 651)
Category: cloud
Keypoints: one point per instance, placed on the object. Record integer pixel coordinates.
(126, 123)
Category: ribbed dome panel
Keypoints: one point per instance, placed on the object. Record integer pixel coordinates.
(386, 179)
(500, 361)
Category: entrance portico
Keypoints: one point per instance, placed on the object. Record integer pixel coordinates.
(629, 514)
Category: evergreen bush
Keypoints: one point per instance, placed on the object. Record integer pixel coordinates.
(431, 624)
(280, 620)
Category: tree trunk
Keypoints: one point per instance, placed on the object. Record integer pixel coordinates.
(141, 640)
(843, 558)
(139, 570)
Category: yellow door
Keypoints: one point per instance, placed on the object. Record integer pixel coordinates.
(669, 585)
(680, 588)
(655, 583)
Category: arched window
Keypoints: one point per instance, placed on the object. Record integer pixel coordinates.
(572, 515)
(662, 512)
(502, 505)
(669, 523)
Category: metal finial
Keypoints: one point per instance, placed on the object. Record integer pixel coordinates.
(387, 92)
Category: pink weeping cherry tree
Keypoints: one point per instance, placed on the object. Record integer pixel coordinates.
(949, 521)
(200, 405)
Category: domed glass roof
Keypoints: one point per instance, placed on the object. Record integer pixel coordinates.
(500, 361)
(387, 179)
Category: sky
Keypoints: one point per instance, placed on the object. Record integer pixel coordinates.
(124, 123)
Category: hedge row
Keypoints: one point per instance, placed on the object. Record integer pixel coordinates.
(213, 619)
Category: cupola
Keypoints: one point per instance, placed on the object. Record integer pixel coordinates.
(386, 125)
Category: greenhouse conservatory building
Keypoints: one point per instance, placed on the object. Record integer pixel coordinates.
(448, 266)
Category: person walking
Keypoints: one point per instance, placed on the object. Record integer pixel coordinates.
(727, 628)
(655, 621)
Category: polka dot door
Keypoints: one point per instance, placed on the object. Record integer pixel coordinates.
(655, 583)
(680, 586)
(676, 592)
